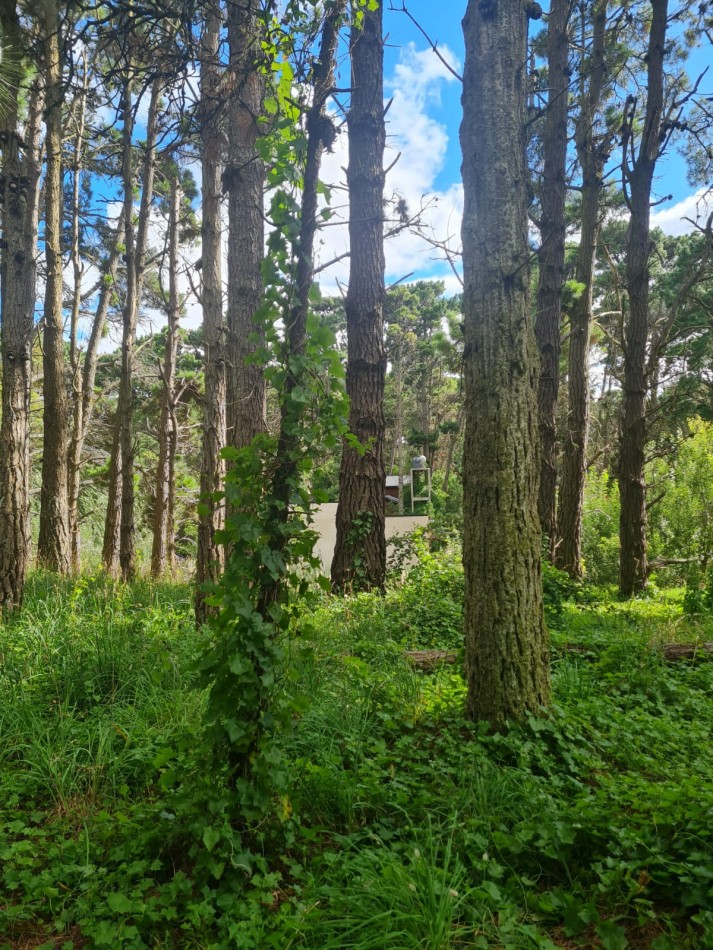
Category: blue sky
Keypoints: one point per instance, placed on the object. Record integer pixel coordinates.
(445, 29)
(423, 124)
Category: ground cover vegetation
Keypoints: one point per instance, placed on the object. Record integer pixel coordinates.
(396, 822)
(498, 736)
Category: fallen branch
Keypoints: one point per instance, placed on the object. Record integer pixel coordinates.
(430, 659)
(671, 651)
(687, 651)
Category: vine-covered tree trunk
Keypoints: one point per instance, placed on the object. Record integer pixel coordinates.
(638, 175)
(553, 191)
(505, 635)
(21, 165)
(289, 446)
(211, 513)
(53, 542)
(163, 552)
(245, 178)
(568, 553)
(360, 551)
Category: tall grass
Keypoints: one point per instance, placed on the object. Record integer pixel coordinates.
(92, 683)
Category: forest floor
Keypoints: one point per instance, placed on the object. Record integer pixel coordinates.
(404, 827)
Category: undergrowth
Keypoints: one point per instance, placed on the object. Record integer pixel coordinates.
(404, 826)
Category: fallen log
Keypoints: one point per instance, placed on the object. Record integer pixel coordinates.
(687, 651)
(671, 651)
(430, 659)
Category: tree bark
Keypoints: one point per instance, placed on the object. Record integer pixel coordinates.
(74, 456)
(553, 191)
(212, 511)
(638, 175)
(112, 519)
(568, 552)
(163, 552)
(505, 635)
(245, 178)
(21, 165)
(53, 542)
(360, 553)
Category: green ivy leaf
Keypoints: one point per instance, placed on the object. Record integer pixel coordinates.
(612, 936)
(211, 837)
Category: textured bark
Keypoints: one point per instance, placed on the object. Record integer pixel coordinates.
(21, 165)
(553, 190)
(211, 514)
(121, 474)
(633, 430)
(505, 635)
(53, 541)
(244, 177)
(74, 455)
(568, 552)
(360, 551)
(163, 551)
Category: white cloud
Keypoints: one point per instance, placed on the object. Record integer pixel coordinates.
(694, 208)
(420, 142)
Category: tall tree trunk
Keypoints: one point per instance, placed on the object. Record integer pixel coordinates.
(505, 635)
(211, 512)
(75, 360)
(592, 156)
(121, 474)
(632, 434)
(21, 165)
(53, 541)
(112, 523)
(245, 178)
(553, 191)
(360, 552)
(163, 553)
(112, 519)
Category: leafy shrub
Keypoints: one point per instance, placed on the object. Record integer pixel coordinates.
(557, 588)
(600, 528)
(681, 523)
(428, 607)
(698, 598)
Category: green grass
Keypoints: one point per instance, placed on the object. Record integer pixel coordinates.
(404, 827)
